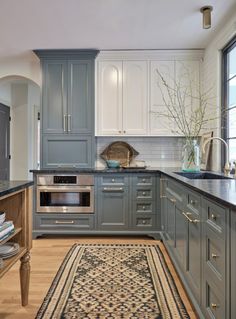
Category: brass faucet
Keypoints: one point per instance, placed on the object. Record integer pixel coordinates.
(227, 168)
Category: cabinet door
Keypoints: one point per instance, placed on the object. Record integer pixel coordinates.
(54, 98)
(109, 108)
(135, 101)
(233, 264)
(160, 125)
(67, 151)
(80, 96)
(113, 208)
(193, 265)
(188, 72)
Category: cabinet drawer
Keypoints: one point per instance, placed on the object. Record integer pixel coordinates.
(144, 207)
(141, 180)
(215, 216)
(214, 304)
(215, 253)
(64, 222)
(193, 202)
(142, 193)
(143, 222)
(112, 180)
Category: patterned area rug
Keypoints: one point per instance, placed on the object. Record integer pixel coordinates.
(113, 281)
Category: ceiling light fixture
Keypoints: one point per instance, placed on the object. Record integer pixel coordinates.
(206, 16)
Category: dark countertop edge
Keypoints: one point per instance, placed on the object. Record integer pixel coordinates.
(186, 182)
(13, 186)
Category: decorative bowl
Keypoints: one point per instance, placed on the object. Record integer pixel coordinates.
(113, 163)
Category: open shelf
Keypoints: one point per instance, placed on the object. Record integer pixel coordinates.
(9, 262)
(17, 231)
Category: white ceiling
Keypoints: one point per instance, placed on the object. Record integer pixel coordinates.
(107, 24)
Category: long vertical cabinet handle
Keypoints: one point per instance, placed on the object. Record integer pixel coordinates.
(69, 123)
(162, 180)
(64, 123)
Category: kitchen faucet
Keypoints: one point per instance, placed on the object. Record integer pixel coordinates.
(227, 164)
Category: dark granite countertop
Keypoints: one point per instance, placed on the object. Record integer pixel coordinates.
(8, 187)
(222, 190)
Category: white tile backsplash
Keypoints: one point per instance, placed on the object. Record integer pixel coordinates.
(155, 151)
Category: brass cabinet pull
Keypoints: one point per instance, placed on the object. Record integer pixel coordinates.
(214, 305)
(214, 256)
(173, 200)
(119, 132)
(161, 188)
(113, 180)
(64, 222)
(144, 193)
(213, 216)
(144, 207)
(124, 131)
(144, 221)
(194, 221)
(192, 202)
(144, 180)
(69, 122)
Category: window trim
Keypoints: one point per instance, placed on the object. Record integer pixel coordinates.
(224, 93)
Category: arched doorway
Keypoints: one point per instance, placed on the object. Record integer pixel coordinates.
(22, 95)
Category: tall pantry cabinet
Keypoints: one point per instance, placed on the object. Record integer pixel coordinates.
(67, 108)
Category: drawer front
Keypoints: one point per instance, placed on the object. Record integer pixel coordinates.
(193, 202)
(142, 193)
(144, 222)
(112, 180)
(215, 216)
(144, 207)
(141, 180)
(64, 222)
(215, 253)
(214, 304)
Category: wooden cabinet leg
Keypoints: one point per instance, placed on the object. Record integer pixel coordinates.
(25, 278)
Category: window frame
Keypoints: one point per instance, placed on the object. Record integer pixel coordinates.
(225, 95)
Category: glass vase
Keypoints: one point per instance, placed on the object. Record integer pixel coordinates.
(191, 156)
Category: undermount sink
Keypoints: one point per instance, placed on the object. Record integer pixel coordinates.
(202, 175)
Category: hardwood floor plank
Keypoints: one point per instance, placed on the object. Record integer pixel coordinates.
(46, 257)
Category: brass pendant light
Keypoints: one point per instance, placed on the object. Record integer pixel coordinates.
(206, 16)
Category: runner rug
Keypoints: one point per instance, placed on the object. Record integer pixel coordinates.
(113, 281)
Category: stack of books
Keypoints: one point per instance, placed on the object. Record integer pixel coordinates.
(6, 229)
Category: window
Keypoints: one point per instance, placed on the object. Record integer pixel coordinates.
(229, 97)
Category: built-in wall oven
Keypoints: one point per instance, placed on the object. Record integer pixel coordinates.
(65, 194)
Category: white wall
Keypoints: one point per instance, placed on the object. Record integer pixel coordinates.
(212, 77)
(26, 65)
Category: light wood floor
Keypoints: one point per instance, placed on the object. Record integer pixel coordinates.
(46, 257)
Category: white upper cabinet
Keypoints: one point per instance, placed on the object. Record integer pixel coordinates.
(109, 94)
(135, 103)
(159, 124)
(122, 105)
(131, 97)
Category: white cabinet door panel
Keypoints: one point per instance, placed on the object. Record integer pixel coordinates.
(109, 112)
(161, 125)
(135, 99)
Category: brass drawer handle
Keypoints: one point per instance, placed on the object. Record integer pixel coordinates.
(144, 221)
(173, 200)
(144, 180)
(193, 202)
(113, 180)
(194, 221)
(214, 256)
(213, 216)
(144, 207)
(214, 305)
(144, 193)
(64, 222)
(113, 189)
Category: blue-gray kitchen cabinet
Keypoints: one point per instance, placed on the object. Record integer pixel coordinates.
(214, 260)
(67, 103)
(233, 264)
(113, 202)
